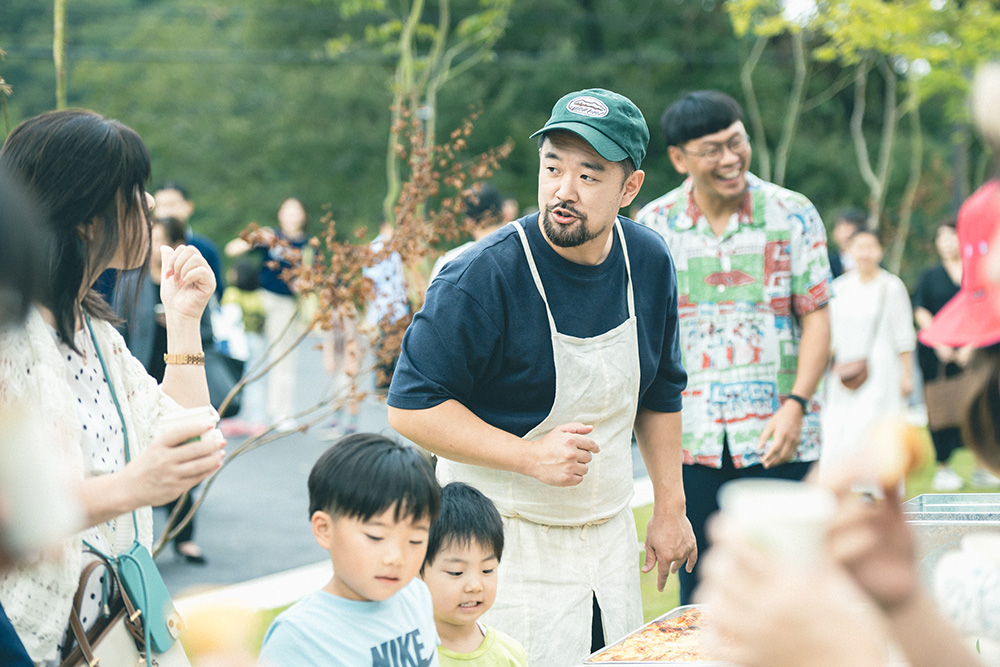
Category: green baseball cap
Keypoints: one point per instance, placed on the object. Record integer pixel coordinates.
(609, 122)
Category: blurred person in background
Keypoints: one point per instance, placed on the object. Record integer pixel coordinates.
(847, 222)
(778, 618)
(936, 286)
(388, 312)
(484, 214)
(282, 326)
(870, 319)
(88, 174)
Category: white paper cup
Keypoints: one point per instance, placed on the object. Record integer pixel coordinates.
(787, 519)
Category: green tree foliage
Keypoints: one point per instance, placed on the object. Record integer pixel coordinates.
(896, 58)
(249, 102)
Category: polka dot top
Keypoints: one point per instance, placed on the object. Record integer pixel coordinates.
(102, 441)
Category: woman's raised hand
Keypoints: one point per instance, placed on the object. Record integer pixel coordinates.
(186, 282)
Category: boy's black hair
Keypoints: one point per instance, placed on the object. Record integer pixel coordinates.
(466, 515)
(697, 114)
(365, 474)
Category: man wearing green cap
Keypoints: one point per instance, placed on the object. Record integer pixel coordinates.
(536, 354)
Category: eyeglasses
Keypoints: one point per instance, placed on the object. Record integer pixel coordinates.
(739, 145)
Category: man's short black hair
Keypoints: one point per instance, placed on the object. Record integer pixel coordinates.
(175, 185)
(466, 516)
(697, 114)
(364, 474)
(853, 216)
(484, 204)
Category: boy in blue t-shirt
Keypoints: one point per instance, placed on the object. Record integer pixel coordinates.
(372, 502)
(460, 569)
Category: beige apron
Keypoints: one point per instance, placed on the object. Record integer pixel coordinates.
(565, 544)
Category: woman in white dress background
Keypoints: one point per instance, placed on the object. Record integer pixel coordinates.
(870, 318)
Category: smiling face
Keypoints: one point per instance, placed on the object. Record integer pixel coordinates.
(373, 559)
(580, 193)
(717, 182)
(463, 583)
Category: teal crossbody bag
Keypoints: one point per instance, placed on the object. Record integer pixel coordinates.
(138, 573)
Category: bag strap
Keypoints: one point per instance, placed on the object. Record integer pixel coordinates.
(146, 630)
(118, 408)
(135, 524)
(878, 318)
(132, 614)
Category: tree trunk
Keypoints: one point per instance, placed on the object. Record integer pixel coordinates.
(761, 150)
(402, 94)
(895, 255)
(59, 50)
(794, 109)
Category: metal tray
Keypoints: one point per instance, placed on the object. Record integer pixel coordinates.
(673, 613)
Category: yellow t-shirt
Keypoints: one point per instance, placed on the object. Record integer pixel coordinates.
(497, 650)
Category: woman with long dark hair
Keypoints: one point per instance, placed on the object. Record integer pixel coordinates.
(96, 405)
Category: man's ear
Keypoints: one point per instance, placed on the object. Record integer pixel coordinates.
(632, 187)
(678, 159)
(322, 527)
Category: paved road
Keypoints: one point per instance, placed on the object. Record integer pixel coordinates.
(254, 521)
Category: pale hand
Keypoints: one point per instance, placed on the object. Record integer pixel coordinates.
(186, 282)
(169, 466)
(765, 615)
(784, 430)
(561, 457)
(872, 541)
(669, 543)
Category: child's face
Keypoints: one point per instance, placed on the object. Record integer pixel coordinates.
(373, 559)
(463, 583)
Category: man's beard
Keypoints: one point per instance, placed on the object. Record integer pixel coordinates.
(569, 236)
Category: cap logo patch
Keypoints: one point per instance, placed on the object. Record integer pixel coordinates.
(587, 106)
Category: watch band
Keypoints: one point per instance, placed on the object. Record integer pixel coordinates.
(804, 402)
(185, 359)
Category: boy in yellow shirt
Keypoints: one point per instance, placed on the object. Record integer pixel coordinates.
(460, 569)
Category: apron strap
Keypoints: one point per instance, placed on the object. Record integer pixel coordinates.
(534, 273)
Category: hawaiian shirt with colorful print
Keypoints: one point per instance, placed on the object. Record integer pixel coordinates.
(741, 295)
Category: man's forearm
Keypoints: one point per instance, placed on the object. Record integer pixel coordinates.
(814, 352)
(454, 432)
(658, 435)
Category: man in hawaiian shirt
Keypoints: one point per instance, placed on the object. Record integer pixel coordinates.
(754, 280)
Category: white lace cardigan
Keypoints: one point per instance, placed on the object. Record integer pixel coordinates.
(37, 597)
